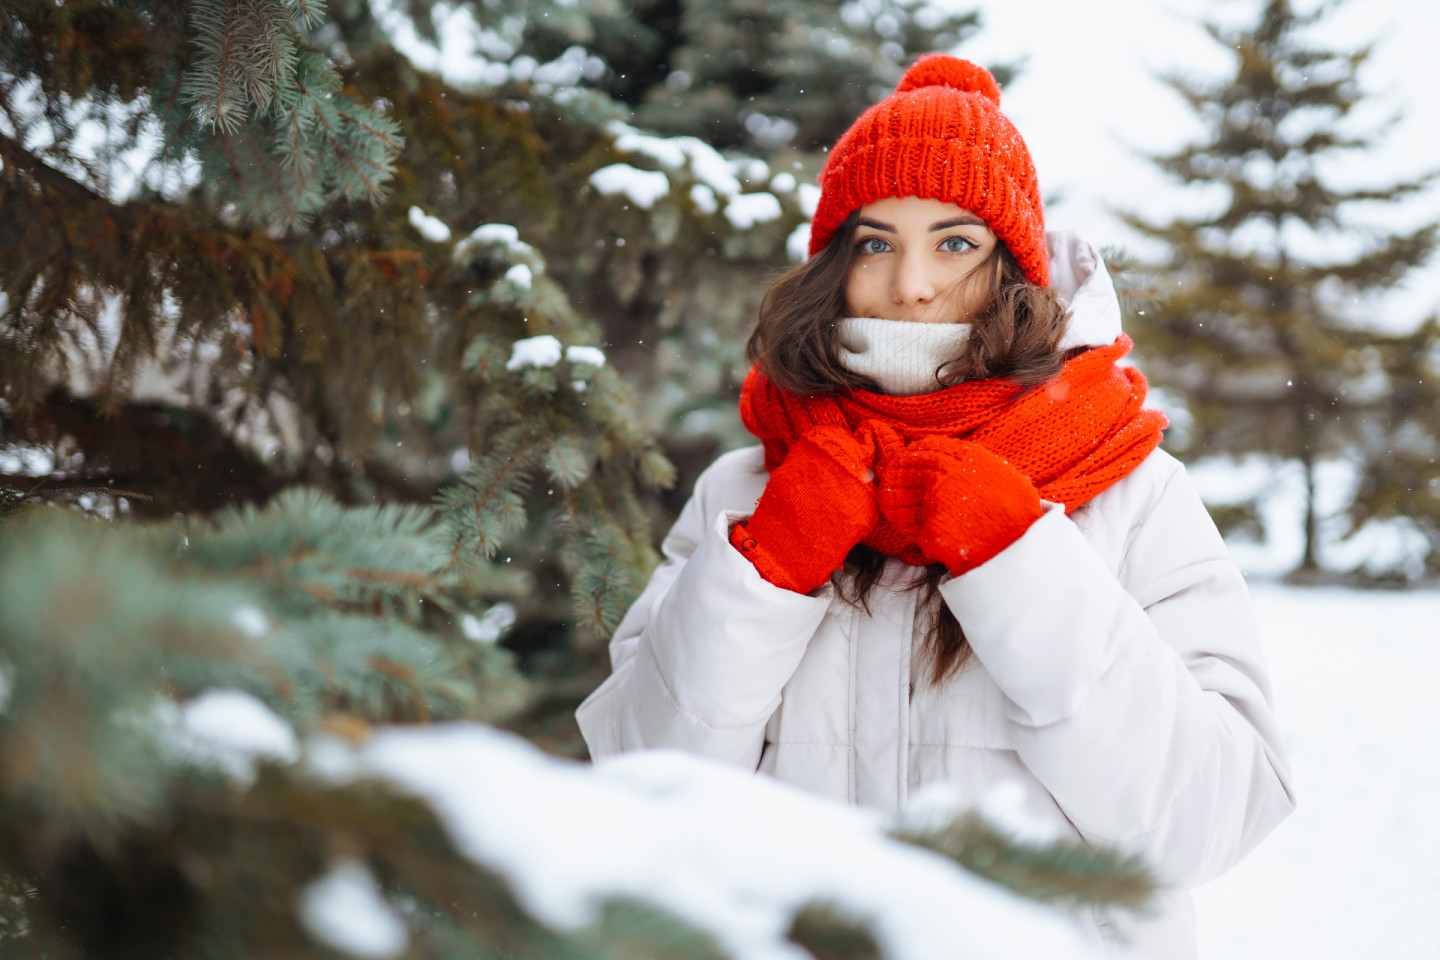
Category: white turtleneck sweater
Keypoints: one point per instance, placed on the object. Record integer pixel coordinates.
(900, 355)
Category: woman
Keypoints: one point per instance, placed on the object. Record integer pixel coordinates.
(958, 554)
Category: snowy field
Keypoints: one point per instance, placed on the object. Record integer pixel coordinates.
(1356, 871)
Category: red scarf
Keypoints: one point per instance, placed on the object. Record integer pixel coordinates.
(1073, 436)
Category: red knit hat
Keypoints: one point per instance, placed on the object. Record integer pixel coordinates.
(939, 136)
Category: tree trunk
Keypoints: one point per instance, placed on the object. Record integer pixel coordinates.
(1306, 428)
(1308, 563)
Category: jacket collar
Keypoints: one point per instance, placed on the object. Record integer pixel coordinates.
(1079, 277)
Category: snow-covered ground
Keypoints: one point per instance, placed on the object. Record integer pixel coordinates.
(1356, 871)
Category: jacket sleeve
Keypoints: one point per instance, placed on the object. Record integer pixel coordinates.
(699, 660)
(1146, 712)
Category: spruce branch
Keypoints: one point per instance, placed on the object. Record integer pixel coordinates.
(268, 95)
(304, 539)
(485, 506)
(1071, 872)
(568, 460)
(214, 86)
(309, 11)
(44, 175)
(826, 932)
(600, 559)
(311, 606)
(35, 488)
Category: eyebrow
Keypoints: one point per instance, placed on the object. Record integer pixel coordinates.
(941, 225)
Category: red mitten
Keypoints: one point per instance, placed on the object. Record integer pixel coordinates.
(961, 503)
(818, 503)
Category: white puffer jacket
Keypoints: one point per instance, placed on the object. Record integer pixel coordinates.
(1117, 671)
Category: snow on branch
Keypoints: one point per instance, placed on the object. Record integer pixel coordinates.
(643, 187)
(738, 856)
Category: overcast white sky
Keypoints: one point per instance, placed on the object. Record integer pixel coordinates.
(1088, 99)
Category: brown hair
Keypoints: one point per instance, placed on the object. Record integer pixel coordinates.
(1015, 335)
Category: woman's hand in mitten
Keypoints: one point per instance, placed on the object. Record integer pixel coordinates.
(818, 503)
(961, 503)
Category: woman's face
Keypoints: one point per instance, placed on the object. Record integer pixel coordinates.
(911, 258)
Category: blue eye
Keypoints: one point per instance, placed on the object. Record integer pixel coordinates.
(864, 246)
(957, 245)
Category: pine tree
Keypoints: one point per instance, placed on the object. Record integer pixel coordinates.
(1400, 449)
(320, 375)
(758, 77)
(207, 304)
(258, 255)
(1257, 335)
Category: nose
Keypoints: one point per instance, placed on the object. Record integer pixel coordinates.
(912, 284)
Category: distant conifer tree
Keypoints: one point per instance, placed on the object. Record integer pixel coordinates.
(1260, 333)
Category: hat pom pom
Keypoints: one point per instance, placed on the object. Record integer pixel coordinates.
(942, 70)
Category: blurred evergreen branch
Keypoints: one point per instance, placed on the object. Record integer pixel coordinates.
(1069, 872)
